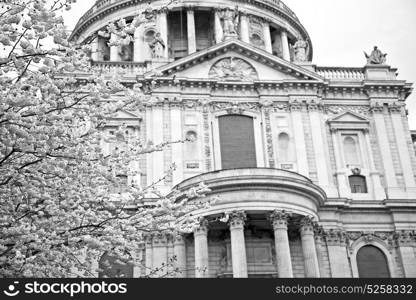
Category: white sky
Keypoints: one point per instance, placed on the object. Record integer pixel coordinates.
(341, 30)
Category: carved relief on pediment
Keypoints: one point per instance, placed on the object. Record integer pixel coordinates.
(233, 69)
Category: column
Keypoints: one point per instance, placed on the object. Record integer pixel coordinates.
(378, 189)
(177, 148)
(218, 28)
(343, 188)
(148, 255)
(267, 37)
(319, 144)
(157, 138)
(238, 246)
(301, 156)
(201, 249)
(399, 133)
(179, 252)
(160, 255)
(95, 49)
(281, 239)
(389, 172)
(162, 24)
(407, 253)
(114, 56)
(320, 248)
(308, 248)
(285, 45)
(244, 28)
(337, 253)
(138, 48)
(190, 17)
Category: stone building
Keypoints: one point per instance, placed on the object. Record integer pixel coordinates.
(314, 167)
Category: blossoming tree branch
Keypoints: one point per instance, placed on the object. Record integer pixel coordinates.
(59, 212)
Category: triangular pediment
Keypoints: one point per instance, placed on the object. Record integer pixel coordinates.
(349, 120)
(234, 60)
(122, 114)
(349, 117)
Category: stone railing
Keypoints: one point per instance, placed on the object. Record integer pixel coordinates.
(341, 73)
(134, 68)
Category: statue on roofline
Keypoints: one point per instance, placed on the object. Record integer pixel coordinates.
(376, 57)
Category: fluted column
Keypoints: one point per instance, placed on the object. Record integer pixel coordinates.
(190, 17)
(285, 46)
(148, 254)
(162, 24)
(238, 246)
(378, 190)
(343, 189)
(281, 239)
(244, 28)
(267, 37)
(201, 249)
(218, 28)
(179, 251)
(308, 248)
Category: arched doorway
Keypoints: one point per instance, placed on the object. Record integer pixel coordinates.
(372, 263)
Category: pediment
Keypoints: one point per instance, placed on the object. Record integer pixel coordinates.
(349, 120)
(234, 60)
(127, 118)
(122, 114)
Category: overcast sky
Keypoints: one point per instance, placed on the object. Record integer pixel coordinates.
(341, 30)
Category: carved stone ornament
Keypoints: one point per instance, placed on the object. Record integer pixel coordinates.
(233, 69)
(236, 219)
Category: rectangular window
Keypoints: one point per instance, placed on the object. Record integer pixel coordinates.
(237, 142)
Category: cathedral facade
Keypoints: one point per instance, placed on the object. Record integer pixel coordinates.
(313, 167)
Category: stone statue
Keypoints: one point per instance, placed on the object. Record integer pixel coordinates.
(126, 53)
(157, 46)
(300, 50)
(149, 13)
(376, 57)
(230, 21)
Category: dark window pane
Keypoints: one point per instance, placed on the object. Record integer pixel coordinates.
(358, 184)
(372, 263)
(237, 142)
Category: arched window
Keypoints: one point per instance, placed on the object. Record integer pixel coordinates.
(112, 267)
(237, 142)
(358, 184)
(372, 263)
(283, 143)
(351, 151)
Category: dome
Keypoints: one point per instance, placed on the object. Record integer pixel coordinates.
(189, 26)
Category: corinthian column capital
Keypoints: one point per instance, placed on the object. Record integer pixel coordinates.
(279, 219)
(237, 219)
